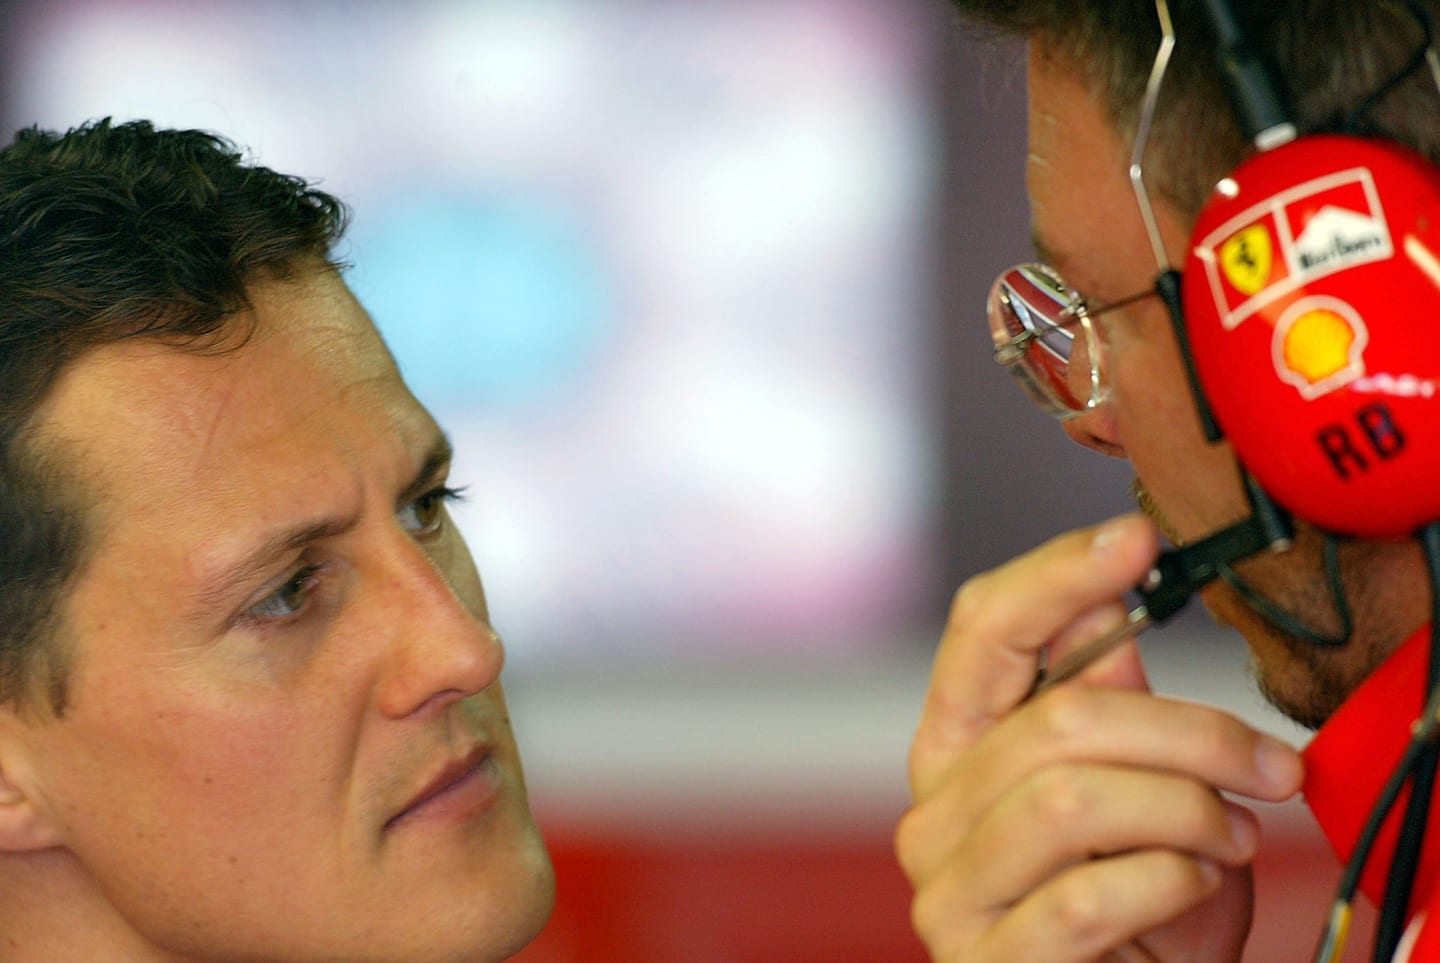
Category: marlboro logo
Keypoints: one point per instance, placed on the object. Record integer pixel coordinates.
(1335, 238)
(1276, 247)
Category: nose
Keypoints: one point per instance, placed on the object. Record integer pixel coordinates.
(1095, 429)
(440, 647)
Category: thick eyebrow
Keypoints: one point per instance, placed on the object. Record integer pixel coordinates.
(436, 463)
(218, 588)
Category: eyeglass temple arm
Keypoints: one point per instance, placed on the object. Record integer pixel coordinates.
(1167, 285)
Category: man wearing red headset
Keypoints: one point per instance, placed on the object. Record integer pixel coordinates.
(1237, 221)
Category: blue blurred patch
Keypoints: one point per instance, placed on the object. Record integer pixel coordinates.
(482, 300)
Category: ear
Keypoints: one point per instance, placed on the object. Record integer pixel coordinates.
(27, 823)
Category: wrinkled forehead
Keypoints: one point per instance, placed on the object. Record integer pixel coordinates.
(1082, 207)
(313, 376)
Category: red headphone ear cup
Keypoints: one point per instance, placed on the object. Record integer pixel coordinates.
(1312, 311)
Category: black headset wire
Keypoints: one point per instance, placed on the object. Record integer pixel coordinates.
(1409, 847)
(1424, 733)
(1400, 883)
(1288, 623)
(1337, 925)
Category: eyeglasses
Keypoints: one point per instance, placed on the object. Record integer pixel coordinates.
(1045, 335)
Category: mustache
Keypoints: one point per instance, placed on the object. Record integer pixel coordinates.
(1146, 503)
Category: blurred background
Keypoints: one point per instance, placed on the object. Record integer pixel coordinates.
(696, 287)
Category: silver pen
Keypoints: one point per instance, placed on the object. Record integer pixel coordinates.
(1177, 574)
(1076, 662)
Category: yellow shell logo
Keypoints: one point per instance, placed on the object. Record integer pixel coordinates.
(1246, 259)
(1319, 345)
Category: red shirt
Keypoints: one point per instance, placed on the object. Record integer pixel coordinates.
(1347, 764)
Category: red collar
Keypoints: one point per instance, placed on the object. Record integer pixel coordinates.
(1352, 756)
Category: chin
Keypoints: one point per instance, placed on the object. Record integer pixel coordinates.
(1297, 697)
(519, 908)
(1304, 682)
(487, 918)
(534, 896)
(499, 934)
(531, 917)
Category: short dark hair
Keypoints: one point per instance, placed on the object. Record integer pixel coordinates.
(111, 232)
(1331, 55)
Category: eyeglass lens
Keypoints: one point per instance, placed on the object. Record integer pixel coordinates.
(1034, 321)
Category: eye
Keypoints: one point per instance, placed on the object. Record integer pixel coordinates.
(288, 599)
(425, 514)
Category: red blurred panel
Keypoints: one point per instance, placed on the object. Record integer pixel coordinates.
(1295, 878)
(771, 896)
(628, 897)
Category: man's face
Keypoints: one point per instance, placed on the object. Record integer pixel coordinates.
(286, 736)
(1087, 224)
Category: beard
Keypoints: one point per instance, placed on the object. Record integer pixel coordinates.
(1306, 682)
(1305, 679)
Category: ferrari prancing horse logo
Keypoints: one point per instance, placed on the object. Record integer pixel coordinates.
(1246, 258)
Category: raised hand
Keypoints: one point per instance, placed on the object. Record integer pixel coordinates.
(1087, 823)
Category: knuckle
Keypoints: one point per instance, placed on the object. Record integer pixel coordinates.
(1177, 877)
(923, 910)
(1067, 714)
(1060, 795)
(910, 842)
(928, 914)
(1198, 812)
(947, 933)
(969, 599)
(1215, 735)
(1078, 907)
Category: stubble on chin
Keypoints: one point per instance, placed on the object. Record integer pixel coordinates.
(1305, 682)
(1146, 503)
(1303, 679)
(1305, 687)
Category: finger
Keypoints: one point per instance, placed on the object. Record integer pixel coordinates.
(1142, 730)
(1070, 814)
(1080, 724)
(1100, 905)
(1001, 620)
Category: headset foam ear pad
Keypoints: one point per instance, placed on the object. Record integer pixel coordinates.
(1312, 311)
